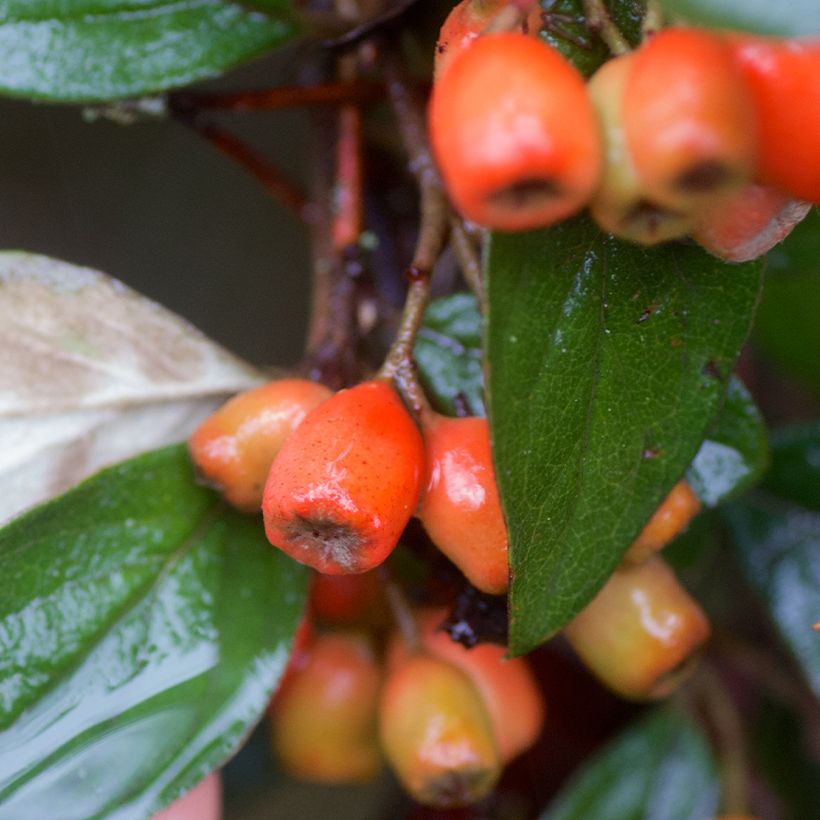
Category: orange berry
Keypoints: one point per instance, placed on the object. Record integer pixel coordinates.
(621, 205)
(507, 685)
(203, 802)
(303, 640)
(460, 508)
(782, 76)
(750, 224)
(234, 447)
(514, 133)
(436, 733)
(688, 119)
(669, 520)
(323, 722)
(346, 599)
(640, 633)
(466, 22)
(346, 482)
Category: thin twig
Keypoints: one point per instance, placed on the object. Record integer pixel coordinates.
(652, 19)
(402, 614)
(600, 21)
(265, 172)
(341, 92)
(468, 259)
(724, 719)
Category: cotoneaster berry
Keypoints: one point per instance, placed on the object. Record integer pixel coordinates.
(323, 721)
(514, 134)
(640, 634)
(782, 76)
(460, 507)
(346, 482)
(203, 802)
(688, 119)
(347, 599)
(620, 204)
(668, 521)
(507, 686)
(234, 447)
(436, 733)
(750, 224)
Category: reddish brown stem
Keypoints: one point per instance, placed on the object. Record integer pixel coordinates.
(342, 92)
(265, 172)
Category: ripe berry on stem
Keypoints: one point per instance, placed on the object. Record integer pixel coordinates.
(345, 484)
(688, 119)
(436, 733)
(640, 633)
(514, 133)
(234, 447)
(323, 720)
(460, 507)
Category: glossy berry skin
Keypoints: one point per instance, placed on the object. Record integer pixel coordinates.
(514, 134)
(507, 687)
(688, 119)
(203, 802)
(436, 733)
(235, 446)
(783, 78)
(466, 22)
(640, 633)
(346, 482)
(621, 205)
(347, 599)
(460, 508)
(750, 224)
(668, 521)
(323, 722)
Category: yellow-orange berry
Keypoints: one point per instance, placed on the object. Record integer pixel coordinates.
(436, 733)
(688, 119)
(323, 721)
(668, 521)
(460, 508)
(507, 686)
(346, 482)
(514, 133)
(621, 205)
(235, 446)
(750, 224)
(782, 76)
(640, 633)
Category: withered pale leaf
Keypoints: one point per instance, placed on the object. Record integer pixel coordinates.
(91, 373)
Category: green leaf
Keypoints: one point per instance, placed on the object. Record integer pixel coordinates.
(787, 330)
(735, 453)
(777, 530)
(607, 362)
(797, 18)
(143, 627)
(448, 354)
(660, 768)
(95, 50)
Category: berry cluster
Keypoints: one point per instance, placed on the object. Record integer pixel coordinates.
(338, 476)
(695, 133)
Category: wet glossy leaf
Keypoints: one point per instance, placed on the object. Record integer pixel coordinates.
(448, 354)
(777, 530)
(659, 769)
(143, 627)
(93, 50)
(787, 330)
(798, 18)
(607, 362)
(735, 453)
(93, 373)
